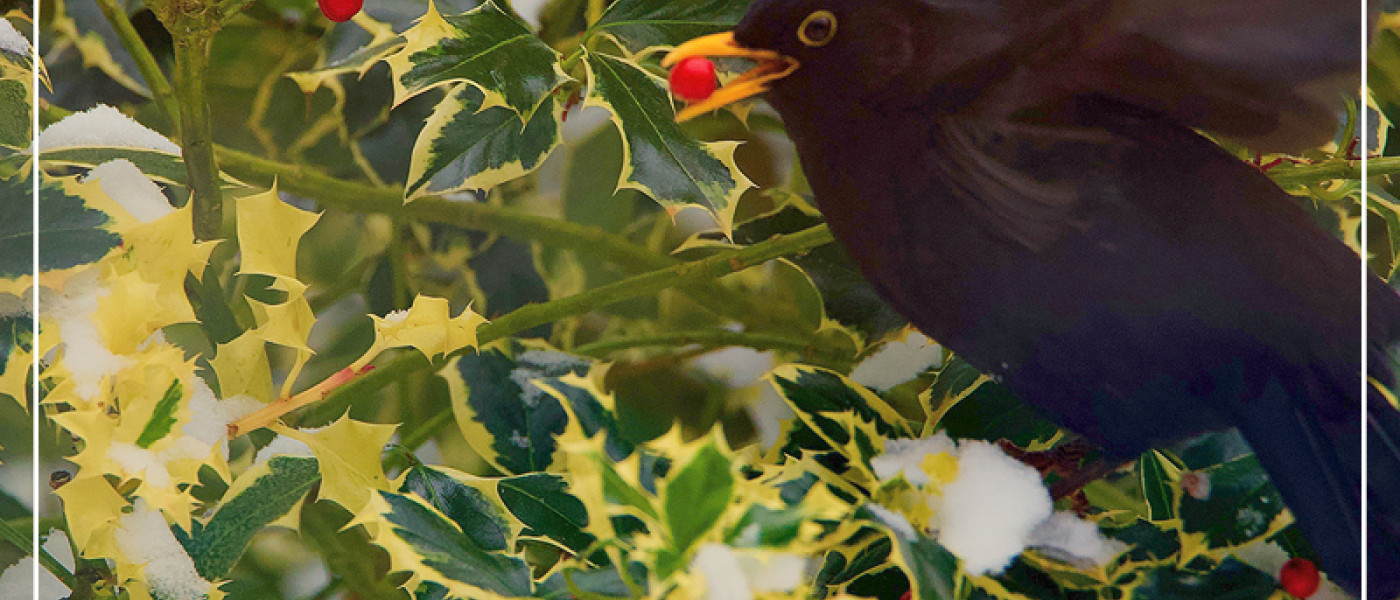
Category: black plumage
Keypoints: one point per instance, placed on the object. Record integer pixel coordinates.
(1023, 181)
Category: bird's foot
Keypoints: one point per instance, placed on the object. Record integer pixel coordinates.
(1064, 461)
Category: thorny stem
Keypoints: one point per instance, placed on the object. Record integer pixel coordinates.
(710, 339)
(161, 91)
(479, 216)
(533, 315)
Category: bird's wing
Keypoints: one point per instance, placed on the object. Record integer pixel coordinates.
(1267, 73)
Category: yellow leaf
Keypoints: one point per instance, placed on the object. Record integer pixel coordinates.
(348, 453)
(134, 308)
(242, 367)
(428, 327)
(164, 249)
(268, 233)
(286, 324)
(92, 508)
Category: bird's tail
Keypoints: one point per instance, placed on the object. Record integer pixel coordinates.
(1313, 457)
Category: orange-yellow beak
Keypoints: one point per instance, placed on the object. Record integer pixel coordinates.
(771, 67)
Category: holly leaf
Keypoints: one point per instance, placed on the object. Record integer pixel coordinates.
(485, 47)
(641, 24)
(661, 161)
(510, 404)
(464, 146)
(269, 232)
(543, 503)
(423, 541)
(258, 497)
(471, 509)
(1242, 505)
(348, 453)
(696, 496)
(71, 231)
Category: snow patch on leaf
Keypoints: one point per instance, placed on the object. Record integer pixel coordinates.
(103, 125)
(145, 539)
(123, 182)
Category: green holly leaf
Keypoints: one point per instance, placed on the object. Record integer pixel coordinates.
(430, 545)
(1242, 504)
(845, 414)
(465, 146)
(1158, 473)
(661, 161)
(260, 496)
(696, 497)
(508, 401)
(641, 24)
(71, 233)
(544, 505)
(477, 516)
(485, 47)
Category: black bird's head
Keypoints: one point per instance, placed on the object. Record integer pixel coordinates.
(838, 52)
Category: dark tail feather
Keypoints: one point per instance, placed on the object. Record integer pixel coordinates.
(1315, 463)
(1383, 489)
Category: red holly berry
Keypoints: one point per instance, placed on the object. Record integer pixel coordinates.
(340, 11)
(1299, 577)
(908, 595)
(693, 79)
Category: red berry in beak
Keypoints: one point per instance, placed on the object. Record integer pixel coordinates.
(693, 79)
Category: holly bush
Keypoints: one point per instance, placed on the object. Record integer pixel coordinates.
(439, 301)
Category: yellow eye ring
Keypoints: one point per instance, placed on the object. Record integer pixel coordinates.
(818, 29)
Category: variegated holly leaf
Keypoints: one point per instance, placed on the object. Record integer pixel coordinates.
(71, 231)
(464, 146)
(486, 47)
(258, 497)
(508, 403)
(423, 541)
(640, 24)
(660, 160)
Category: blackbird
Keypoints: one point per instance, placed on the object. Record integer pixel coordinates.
(1024, 180)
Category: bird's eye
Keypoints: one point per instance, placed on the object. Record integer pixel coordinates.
(817, 29)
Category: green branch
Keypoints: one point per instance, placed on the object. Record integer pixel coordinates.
(161, 91)
(1301, 175)
(533, 315)
(346, 195)
(196, 133)
(709, 338)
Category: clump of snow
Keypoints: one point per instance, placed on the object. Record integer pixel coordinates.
(724, 578)
(986, 514)
(768, 412)
(739, 575)
(1067, 537)
(138, 462)
(11, 40)
(906, 457)
(735, 367)
(103, 126)
(209, 416)
(145, 539)
(129, 187)
(17, 581)
(85, 355)
(897, 362)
